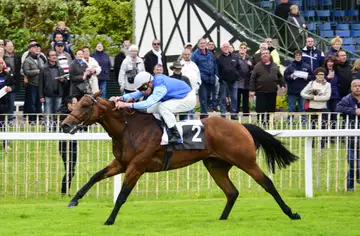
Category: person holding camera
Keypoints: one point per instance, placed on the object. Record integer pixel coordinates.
(130, 67)
(93, 69)
(79, 76)
(317, 93)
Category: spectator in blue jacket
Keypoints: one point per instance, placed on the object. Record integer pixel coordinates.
(297, 75)
(312, 56)
(332, 77)
(104, 61)
(350, 106)
(206, 61)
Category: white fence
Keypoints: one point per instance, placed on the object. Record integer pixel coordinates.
(33, 167)
(97, 137)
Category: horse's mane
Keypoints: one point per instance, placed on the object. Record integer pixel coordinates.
(127, 112)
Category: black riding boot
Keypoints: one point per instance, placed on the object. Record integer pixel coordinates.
(174, 136)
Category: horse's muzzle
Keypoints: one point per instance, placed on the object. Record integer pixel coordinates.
(66, 128)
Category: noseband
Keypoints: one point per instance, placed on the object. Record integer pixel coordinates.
(84, 124)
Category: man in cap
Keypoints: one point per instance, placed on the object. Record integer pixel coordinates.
(31, 69)
(177, 74)
(176, 68)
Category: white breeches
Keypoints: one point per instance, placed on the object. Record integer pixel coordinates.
(168, 108)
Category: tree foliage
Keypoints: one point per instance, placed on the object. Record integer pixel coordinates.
(108, 21)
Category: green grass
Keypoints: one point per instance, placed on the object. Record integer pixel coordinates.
(250, 216)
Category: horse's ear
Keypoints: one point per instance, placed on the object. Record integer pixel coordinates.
(70, 107)
(97, 94)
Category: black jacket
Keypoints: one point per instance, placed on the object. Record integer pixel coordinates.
(48, 85)
(345, 78)
(229, 67)
(15, 72)
(181, 77)
(76, 73)
(4, 101)
(151, 60)
(282, 10)
(117, 63)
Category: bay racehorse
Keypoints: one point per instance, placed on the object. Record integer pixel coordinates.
(136, 148)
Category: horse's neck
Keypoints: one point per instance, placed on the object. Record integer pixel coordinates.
(110, 125)
(114, 123)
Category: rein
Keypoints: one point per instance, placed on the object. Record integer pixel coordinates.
(83, 124)
(128, 127)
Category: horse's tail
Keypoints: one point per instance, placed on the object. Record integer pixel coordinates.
(274, 150)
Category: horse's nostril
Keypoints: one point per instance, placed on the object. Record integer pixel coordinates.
(66, 128)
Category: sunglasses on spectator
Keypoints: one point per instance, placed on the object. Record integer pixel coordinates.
(156, 43)
(243, 47)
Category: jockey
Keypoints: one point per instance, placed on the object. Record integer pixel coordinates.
(166, 96)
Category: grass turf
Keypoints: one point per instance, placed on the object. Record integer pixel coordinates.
(326, 215)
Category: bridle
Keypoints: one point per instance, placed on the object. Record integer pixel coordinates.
(84, 124)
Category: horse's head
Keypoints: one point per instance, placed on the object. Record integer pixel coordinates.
(86, 112)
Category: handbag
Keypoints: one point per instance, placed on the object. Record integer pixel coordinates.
(84, 87)
(306, 104)
(307, 101)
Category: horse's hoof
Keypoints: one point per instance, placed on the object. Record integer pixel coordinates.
(295, 216)
(109, 222)
(73, 204)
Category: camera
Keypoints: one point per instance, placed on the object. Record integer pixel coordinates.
(130, 74)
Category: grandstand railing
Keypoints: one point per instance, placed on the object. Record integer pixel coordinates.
(32, 166)
(258, 23)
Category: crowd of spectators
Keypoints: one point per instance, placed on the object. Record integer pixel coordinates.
(226, 79)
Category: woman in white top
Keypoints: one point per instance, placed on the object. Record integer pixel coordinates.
(130, 67)
(190, 70)
(317, 93)
(93, 69)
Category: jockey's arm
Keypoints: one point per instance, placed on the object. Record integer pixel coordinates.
(135, 95)
(158, 93)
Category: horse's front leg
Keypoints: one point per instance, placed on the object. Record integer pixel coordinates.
(112, 169)
(132, 175)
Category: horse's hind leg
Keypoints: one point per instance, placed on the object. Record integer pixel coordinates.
(260, 177)
(219, 170)
(112, 169)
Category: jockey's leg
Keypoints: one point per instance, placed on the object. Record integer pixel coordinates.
(167, 110)
(170, 120)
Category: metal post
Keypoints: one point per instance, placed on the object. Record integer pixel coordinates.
(117, 186)
(309, 191)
